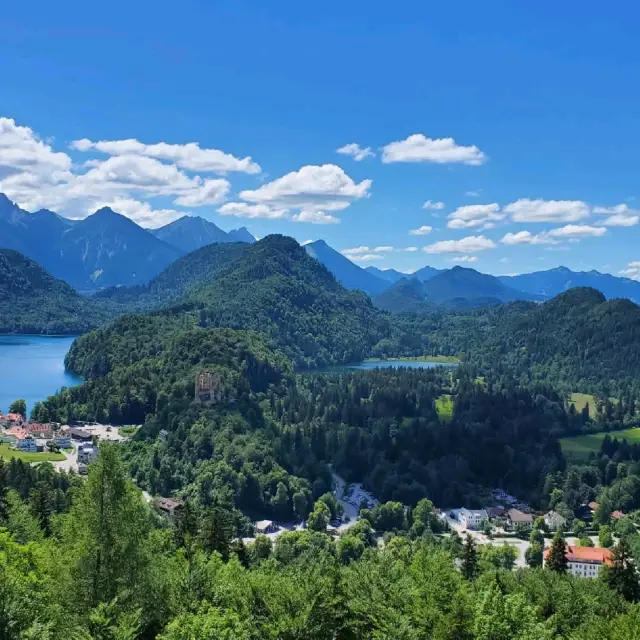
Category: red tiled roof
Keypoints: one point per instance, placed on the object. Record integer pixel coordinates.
(34, 427)
(593, 506)
(598, 555)
(11, 417)
(17, 432)
(616, 515)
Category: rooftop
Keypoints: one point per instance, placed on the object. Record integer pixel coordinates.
(592, 555)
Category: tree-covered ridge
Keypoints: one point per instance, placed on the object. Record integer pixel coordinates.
(32, 301)
(578, 339)
(201, 265)
(277, 289)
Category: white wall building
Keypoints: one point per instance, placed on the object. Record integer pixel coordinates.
(585, 562)
(472, 518)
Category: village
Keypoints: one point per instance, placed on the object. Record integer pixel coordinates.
(504, 519)
(67, 447)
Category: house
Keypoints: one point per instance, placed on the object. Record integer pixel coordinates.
(266, 526)
(79, 434)
(554, 520)
(585, 562)
(27, 445)
(38, 430)
(163, 434)
(168, 505)
(472, 518)
(516, 517)
(496, 512)
(63, 441)
(593, 506)
(17, 432)
(87, 453)
(11, 418)
(616, 515)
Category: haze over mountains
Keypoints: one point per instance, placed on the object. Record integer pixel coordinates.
(105, 249)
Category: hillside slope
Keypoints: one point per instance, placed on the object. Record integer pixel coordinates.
(348, 274)
(33, 301)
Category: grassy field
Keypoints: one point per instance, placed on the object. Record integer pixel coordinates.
(444, 407)
(580, 401)
(7, 453)
(128, 430)
(579, 447)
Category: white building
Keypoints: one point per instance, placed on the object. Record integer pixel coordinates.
(472, 518)
(585, 562)
(28, 445)
(63, 441)
(87, 453)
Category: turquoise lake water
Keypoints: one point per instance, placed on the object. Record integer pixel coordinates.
(380, 364)
(32, 367)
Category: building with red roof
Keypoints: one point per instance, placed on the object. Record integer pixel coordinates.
(585, 562)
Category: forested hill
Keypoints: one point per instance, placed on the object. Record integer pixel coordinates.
(202, 265)
(33, 301)
(577, 337)
(277, 289)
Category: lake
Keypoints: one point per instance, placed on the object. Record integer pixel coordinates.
(32, 367)
(368, 365)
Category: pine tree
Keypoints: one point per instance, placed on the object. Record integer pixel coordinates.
(557, 559)
(4, 513)
(469, 558)
(242, 553)
(622, 576)
(186, 526)
(41, 498)
(216, 532)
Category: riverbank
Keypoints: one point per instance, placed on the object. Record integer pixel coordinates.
(433, 359)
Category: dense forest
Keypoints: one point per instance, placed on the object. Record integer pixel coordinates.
(32, 301)
(93, 561)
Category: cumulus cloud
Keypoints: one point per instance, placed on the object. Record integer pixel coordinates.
(246, 210)
(188, 156)
(463, 259)
(419, 148)
(432, 205)
(475, 215)
(366, 254)
(410, 249)
(577, 232)
(620, 215)
(310, 192)
(315, 217)
(632, 270)
(129, 180)
(526, 237)
(470, 244)
(357, 152)
(526, 210)
(424, 230)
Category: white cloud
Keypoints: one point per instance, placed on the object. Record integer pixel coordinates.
(526, 210)
(632, 270)
(312, 190)
(188, 156)
(419, 148)
(366, 254)
(36, 176)
(475, 215)
(526, 237)
(619, 216)
(503, 260)
(462, 259)
(315, 217)
(424, 230)
(473, 194)
(356, 151)
(246, 210)
(410, 249)
(433, 205)
(470, 244)
(577, 231)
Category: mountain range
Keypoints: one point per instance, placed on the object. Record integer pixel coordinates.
(105, 249)
(460, 286)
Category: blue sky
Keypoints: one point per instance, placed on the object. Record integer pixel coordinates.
(528, 113)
